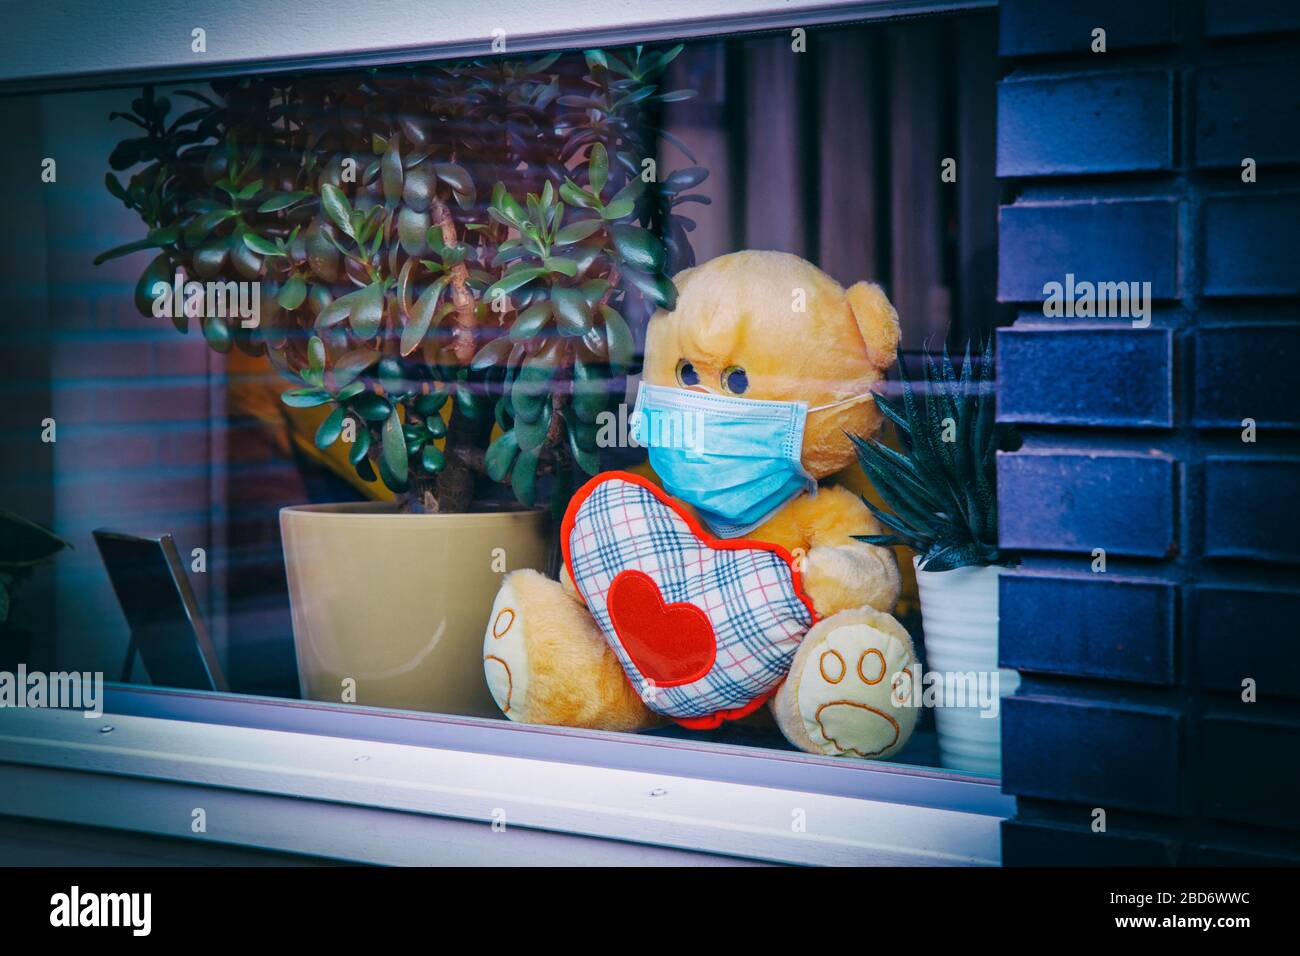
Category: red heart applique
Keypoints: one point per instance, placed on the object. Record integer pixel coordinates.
(670, 644)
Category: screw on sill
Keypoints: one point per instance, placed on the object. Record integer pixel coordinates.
(658, 792)
(362, 759)
(106, 729)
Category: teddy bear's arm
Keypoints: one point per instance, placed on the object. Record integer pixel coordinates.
(839, 573)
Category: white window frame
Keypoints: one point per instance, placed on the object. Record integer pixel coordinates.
(369, 785)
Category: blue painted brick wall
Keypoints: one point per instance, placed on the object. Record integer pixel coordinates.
(1232, 18)
(1065, 26)
(1238, 369)
(1248, 771)
(1252, 244)
(1248, 109)
(1202, 854)
(1085, 375)
(1262, 624)
(1119, 241)
(1122, 503)
(1087, 625)
(1251, 508)
(1099, 753)
(1031, 843)
(1085, 124)
(1126, 166)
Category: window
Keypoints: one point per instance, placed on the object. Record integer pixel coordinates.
(872, 160)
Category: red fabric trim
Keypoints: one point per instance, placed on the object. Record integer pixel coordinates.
(708, 721)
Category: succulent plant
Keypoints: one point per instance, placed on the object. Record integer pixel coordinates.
(942, 487)
(484, 234)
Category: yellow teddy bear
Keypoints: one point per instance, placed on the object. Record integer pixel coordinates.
(751, 386)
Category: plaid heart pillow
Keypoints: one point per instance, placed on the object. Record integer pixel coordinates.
(705, 628)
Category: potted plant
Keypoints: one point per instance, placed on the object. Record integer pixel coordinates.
(453, 261)
(942, 491)
(24, 546)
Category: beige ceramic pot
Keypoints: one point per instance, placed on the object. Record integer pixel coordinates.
(392, 606)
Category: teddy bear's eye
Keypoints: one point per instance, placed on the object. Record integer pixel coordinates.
(686, 374)
(735, 380)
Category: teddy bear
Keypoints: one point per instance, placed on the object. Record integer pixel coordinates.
(734, 579)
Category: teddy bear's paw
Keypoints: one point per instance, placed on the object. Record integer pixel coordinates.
(505, 652)
(846, 576)
(546, 662)
(839, 698)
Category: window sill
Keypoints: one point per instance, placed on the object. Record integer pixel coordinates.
(372, 786)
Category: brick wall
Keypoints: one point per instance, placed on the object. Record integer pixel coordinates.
(1126, 166)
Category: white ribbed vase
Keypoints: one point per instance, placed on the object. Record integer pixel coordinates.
(959, 617)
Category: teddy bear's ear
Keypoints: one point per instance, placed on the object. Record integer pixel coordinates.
(877, 321)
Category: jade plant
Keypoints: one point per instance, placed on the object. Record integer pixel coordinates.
(484, 236)
(941, 488)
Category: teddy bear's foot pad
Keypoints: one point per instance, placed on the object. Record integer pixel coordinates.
(505, 652)
(546, 662)
(840, 699)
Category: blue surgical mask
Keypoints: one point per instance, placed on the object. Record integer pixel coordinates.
(735, 460)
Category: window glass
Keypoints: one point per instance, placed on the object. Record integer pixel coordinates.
(333, 358)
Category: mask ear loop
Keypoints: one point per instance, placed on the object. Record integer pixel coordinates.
(862, 396)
